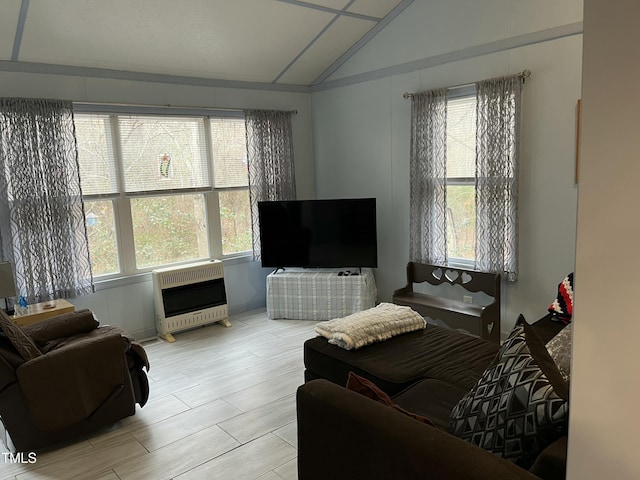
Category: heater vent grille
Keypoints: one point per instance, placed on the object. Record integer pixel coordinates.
(199, 272)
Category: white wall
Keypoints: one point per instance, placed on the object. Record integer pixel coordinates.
(361, 131)
(429, 28)
(131, 305)
(361, 137)
(605, 379)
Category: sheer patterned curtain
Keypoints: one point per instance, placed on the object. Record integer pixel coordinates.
(42, 223)
(428, 171)
(270, 156)
(497, 151)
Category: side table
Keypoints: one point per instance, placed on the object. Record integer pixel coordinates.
(39, 311)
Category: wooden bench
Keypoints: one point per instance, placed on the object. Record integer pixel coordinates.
(483, 321)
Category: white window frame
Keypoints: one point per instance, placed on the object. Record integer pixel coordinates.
(122, 202)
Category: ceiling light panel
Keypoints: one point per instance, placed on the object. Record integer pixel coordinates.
(248, 40)
(9, 15)
(336, 40)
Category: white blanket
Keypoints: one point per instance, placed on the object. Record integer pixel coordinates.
(369, 326)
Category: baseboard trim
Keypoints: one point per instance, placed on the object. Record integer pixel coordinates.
(246, 307)
(151, 333)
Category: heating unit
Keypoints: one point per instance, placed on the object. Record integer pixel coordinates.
(189, 296)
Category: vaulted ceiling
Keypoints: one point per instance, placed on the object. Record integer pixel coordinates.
(267, 42)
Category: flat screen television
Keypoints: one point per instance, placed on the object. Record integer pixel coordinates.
(318, 233)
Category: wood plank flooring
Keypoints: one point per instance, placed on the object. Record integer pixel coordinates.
(222, 406)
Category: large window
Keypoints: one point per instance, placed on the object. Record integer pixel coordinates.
(162, 189)
(464, 175)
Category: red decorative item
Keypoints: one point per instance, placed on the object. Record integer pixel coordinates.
(562, 306)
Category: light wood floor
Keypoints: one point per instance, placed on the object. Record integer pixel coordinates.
(222, 406)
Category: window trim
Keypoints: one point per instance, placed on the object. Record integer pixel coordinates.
(167, 110)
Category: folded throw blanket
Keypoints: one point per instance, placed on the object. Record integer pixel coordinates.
(369, 326)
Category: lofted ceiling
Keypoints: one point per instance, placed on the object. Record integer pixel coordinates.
(266, 42)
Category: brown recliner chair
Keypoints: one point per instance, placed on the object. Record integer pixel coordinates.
(66, 376)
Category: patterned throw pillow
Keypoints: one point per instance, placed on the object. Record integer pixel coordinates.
(520, 404)
(20, 340)
(562, 306)
(559, 347)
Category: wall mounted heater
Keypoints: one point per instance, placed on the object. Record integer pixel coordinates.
(189, 296)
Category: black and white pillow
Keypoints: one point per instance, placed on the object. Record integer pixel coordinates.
(520, 404)
(559, 347)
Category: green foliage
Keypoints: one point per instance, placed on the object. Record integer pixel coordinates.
(168, 229)
(461, 221)
(235, 219)
(102, 237)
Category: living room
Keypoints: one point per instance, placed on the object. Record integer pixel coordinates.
(351, 139)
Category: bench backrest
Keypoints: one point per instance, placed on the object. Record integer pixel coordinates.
(470, 280)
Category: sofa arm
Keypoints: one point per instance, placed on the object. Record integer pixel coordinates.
(344, 435)
(551, 464)
(69, 384)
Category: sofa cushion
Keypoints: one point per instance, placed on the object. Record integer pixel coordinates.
(20, 341)
(520, 404)
(401, 361)
(431, 398)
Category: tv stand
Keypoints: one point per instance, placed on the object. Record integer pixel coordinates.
(319, 294)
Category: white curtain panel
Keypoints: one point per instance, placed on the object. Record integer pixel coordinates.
(428, 174)
(497, 152)
(270, 157)
(42, 223)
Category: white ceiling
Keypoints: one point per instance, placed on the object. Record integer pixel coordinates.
(276, 42)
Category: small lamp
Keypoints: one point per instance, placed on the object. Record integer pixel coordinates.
(7, 284)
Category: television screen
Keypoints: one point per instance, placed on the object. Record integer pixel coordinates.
(318, 233)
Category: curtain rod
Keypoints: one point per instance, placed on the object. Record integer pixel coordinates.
(523, 76)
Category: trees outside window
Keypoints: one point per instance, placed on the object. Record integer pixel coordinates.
(162, 189)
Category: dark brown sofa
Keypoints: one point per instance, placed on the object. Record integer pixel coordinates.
(66, 376)
(345, 435)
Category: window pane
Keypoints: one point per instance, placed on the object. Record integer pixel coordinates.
(163, 153)
(461, 137)
(95, 155)
(461, 221)
(461, 155)
(101, 230)
(169, 229)
(235, 218)
(229, 152)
